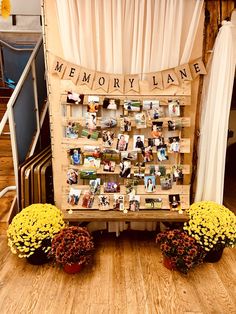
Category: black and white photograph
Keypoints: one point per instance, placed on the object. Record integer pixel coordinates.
(108, 138)
(104, 202)
(122, 142)
(138, 142)
(74, 98)
(91, 120)
(125, 169)
(110, 103)
(125, 123)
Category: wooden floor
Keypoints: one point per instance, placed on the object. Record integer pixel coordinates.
(127, 277)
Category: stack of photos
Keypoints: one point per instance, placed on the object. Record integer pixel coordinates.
(109, 165)
(73, 197)
(75, 156)
(151, 104)
(162, 153)
(93, 104)
(153, 203)
(173, 108)
(111, 187)
(88, 174)
(94, 151)
(95, 186)
(88, 199)
(174, 144)
(174, 124)
(156, 129)
(104, 202)
(125, 123)
(134, 203)
(91, 121)
(119, 202)
(140, 120)
(108, 123)
(147, 154)
(131, 186)
(159, 141)
(174, 201)
(125, 169)
(131, 155)
(138, 142)
(139, 170)
(132, 105)
(108, 138)
(111, 154)
(177, 173)
(74, 98)
(157, 170)
(72, 176)
(109, 103)
(122, 142)
(92, 162)
(150, 184)
(166, 182)
(72, 130)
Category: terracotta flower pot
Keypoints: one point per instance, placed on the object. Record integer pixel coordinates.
(72, 268)
(168, 263)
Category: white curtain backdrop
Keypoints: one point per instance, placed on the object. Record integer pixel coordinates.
(128, 36)
(216, 99)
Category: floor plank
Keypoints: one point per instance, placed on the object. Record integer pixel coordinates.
(127, 277)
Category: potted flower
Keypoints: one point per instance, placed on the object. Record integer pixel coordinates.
(213, 226)
(180, 251)
(72, 248)
(31, 231)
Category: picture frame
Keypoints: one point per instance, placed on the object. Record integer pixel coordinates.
(111, 187)
(134, 203)
(150, 184)
(118, 202)
(75, 156)
(104, 202)
(174, 201)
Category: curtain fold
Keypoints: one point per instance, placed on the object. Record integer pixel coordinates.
(216, 100)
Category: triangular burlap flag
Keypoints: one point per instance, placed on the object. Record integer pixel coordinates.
(155, 80)
(183, 72)
(86, 77)
(72, 72)
(59, 66)
(169, 78)
(197, 67)
(116, 82)
(101, 80)
(132, 83)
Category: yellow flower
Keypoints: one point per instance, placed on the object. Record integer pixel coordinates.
(5, 8)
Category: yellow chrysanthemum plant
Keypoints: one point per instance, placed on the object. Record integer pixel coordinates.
(212, 225)
(5, 8)
(34, 226)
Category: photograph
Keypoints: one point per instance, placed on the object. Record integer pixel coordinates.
(72, 176)
(111, 187)
(162, 153)
(156, 129)
(125, 123)
(174, 144)
(74, 156)
(122, 142)
(157, 170)
(139, 170)
(140, 120)
(153, 114)
(73, 197)
(131, 185)
(125, 169)
(92, 135)
(109, 165)
(173, 108)
(107, 122)
(174, 201)
(111, 154)
(134, 203)
(166, 182)
(132, 105)
(92, 162)
(87, 200)
(93, 104)
(150, 183)
(88, 174)
(156, 141)
(174, 124)
(91, 122)
(109, 103)
(131, 155)
(151, 104)
(119, 202)
(147, 154)
(74, 98)
(93, 99)
(138, 142)
(72, 130)
(104, 202)
(177, 173)
(153, 203)
(108, 138)
(92, 150)
(95, 186)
